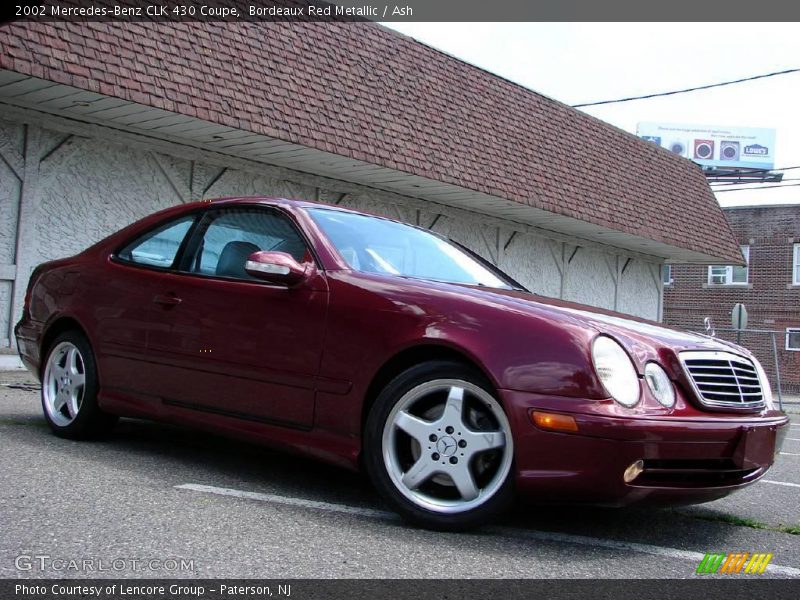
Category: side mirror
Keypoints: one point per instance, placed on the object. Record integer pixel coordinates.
(275, 267)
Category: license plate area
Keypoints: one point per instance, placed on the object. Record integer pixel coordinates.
(756, 447)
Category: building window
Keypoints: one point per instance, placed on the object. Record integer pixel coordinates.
(793, 339)
(666, 274)
(728, 275)
(796, 265)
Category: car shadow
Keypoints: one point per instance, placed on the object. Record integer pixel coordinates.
(176, 455)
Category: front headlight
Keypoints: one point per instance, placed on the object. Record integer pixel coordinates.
(659, 383)
(615, 370)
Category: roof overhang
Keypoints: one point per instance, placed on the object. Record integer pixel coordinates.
(26, 95)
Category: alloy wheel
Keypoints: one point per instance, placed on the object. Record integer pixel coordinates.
(447, 446)
(64, 383)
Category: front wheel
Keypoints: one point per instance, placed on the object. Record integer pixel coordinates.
(438, 447)
(69, 389)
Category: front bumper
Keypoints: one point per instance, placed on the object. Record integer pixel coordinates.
(686, 460)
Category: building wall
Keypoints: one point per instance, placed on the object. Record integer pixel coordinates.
(61, 191)
(772, 302)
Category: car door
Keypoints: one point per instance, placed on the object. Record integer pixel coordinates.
(228, 344)
(123, 310)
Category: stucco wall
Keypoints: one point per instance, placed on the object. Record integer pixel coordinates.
(60, 192)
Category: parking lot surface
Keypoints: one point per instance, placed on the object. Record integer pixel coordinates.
(155, 500)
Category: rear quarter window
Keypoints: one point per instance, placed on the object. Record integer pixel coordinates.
(158, 247)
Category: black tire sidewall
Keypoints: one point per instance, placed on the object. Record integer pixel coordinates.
(91, 420)
(376, 468)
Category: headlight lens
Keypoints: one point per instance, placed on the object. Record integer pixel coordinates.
(615, 370)
(659, 383)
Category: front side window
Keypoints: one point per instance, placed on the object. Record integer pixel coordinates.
(375, 245)
(731, 275)
(230, 236)
(158, 247)
(796, 265)
(793, 339)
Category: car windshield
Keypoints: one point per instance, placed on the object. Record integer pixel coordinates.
(375, 245)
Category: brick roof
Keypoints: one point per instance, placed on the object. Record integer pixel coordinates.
(365, 92)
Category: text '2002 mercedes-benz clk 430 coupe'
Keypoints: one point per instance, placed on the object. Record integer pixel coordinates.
(380, 346)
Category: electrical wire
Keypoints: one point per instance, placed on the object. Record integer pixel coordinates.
(773, 169)
(718, 184)
(729, 183)
(691, 89)
(765, 187)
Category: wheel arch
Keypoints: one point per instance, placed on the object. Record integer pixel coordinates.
(58, 326)
(415, 355)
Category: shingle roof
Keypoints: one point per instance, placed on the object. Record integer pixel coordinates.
(365, 92)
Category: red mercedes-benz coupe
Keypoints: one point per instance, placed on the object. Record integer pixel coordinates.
(374, 344)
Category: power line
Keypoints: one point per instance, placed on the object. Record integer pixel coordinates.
(730, 183)
(692, 89)
(781, 169)
(766, 187)
(718, 184)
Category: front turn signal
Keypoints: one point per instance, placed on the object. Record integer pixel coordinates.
(554, 421)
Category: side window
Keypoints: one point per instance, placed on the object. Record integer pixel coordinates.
(158, 248)
(233, 235)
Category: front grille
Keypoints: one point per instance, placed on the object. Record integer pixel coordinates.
(724, 380)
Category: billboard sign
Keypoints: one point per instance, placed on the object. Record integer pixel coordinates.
(717, 147)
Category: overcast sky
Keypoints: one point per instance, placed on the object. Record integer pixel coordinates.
(585, 62)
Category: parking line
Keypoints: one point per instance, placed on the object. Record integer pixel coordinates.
(289, 501)
(786, 483)
(789, 454)
(548, 536)
(793, 439)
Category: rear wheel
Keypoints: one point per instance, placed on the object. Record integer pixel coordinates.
(438, 447)
(69, 389)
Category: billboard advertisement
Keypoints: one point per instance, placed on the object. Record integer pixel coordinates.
(712, 146)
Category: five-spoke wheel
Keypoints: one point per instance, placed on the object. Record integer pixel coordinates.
(69, 388)
(445, 446)
(64, 383)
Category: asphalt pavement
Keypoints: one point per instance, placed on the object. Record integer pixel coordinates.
(155, 500)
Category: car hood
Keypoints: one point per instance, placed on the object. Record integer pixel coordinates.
(633, 330)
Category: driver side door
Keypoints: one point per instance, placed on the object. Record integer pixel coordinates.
(228, 345)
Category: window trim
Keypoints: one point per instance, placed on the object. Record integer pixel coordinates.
(729, 272)
(786, 345)
(192, 215)
(796, 264)
(192, 243)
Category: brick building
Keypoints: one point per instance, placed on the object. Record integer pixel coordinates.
(103, 123)
(769, 287)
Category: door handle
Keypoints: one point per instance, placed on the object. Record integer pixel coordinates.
(167, 300)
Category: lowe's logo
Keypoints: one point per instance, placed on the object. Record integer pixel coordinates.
(756, 150)
(734, 563)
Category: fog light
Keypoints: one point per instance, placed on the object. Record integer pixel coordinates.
(633, 471)
(554, 421)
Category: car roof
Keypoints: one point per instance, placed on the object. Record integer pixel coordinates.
(273, 201)
(290, 203)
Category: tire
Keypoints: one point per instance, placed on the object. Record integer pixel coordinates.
(438, 447)
(69, 389)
